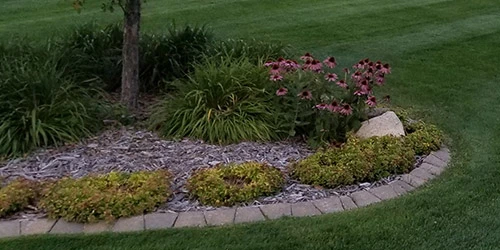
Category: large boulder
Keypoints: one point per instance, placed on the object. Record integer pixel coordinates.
(385, 124)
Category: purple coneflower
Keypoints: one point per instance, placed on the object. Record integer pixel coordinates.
(334, 107)
(372, 101)
(357, 76)
(275, 69)
(346, 109)
(342, 84)
(269, 63)
(380, 79)
(330, 62)
(276, 78)
(331, 77)
(346, 70)
(316, 66)
(386, 69)
(307, 65)
(307, 57)
(305, 95)
(321, 106)
(281, 91)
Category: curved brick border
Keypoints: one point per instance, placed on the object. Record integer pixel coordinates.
(432, 166)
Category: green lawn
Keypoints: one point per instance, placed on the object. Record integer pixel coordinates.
(445, 56)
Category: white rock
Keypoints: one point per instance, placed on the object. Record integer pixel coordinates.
(386, 124)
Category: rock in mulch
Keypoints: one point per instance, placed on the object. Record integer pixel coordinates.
(386, 124)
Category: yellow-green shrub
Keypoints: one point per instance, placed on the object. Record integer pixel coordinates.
(16, 196)
(423, 138)
(226, 185)
(356, 161)
(106, 197)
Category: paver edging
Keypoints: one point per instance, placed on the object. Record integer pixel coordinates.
(432, 166)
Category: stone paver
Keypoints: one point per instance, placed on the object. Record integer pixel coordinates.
(275, 211)
(302, 209)
(385, 192)
(442, 154)
(422, 174)
(159, 220)
(398, 187)
(37, 226)
(190, 219)
(248, 214)
(433, 160)
(64, 227)
(364, 198)
(129, 224)
(10, 228)
(329, 205)
(347, 202)
(97, 227)
(412, 180)
(220, 217)
(431, 169)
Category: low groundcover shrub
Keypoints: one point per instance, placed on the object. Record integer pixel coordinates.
(106, 197)
(226, 185)
(16, 196)
(356, 161)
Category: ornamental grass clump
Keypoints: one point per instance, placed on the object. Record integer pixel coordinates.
(106, 197)
(313, 101)
(40, 106)
(17, 195)
(223, 101)
(226, 185)
(356, 161)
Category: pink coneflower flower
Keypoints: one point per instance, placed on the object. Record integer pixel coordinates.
(346, 109)
(269, 63)
(307, 65)
(380, 79)
(281, 91)
(342, 84)
(357, 76)
(386, 69)
(321, 106)
(334, 106)
(346, 70)
(372, 101)
(359, 65)
(369, 73)
(291, 65)
(275, 69)
(276, 78)
(305, 95)
(330, 62)
(331, 77)
(307, 57)
(358, 92)
(316, 66)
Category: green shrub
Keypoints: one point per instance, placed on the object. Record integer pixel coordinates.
(106, 197)
(39, 106)
(92, 55)
(226, 185)
(356, 161)
(423, 138)
(172, 55)
(256, 51)
(223, 101)
(16, 196)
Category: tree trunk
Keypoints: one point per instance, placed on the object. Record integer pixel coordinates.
(130, 54)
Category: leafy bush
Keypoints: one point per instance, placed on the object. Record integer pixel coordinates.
(93, 55)
(314, 102)
(16, 196)
(423, 138)
(226, 185)
(106, 197)
(256, 51)
(171, 56)
(356, 161)
(223, 101)
(40, 106)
